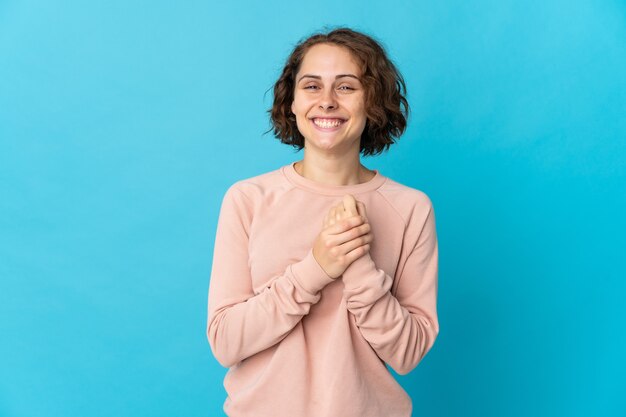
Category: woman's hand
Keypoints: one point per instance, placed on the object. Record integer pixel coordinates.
(348, 207)
(344, 238)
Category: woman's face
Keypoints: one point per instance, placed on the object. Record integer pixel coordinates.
(329, 99)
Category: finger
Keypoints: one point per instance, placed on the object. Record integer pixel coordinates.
(331, 216)
(339, 213)
(349, 205)
(357, 253)
(343, 214)
(355, 232)
(344, 225)
(361, 209)
(354, 243)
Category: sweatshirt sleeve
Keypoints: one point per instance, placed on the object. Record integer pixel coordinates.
(241, 323)
(401, 328)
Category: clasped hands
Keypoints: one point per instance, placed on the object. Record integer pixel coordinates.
(345, 236)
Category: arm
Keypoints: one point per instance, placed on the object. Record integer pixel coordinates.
(401, 328)
(241, 323)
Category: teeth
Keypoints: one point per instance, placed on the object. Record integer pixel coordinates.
(327, 123)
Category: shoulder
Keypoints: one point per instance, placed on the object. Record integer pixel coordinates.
(409, 202)
(255, 188)
(415, 208)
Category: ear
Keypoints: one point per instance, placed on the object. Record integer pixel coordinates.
(292, 108)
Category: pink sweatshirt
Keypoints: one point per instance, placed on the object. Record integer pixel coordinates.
(299, 343)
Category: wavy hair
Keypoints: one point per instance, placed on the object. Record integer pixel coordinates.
(386, 107)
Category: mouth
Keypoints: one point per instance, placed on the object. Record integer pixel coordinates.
(327, 123)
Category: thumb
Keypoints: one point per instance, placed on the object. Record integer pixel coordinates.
(349, 204)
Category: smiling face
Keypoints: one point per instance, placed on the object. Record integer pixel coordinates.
(329, 99)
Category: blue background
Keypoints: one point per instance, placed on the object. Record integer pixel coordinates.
(123, 123)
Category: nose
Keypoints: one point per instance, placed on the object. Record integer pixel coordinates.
(328, 100)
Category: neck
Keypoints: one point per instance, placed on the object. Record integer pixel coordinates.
(334, 171)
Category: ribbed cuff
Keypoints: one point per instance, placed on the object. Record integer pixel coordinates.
(364, 283)
(361, 271)
(310, 275)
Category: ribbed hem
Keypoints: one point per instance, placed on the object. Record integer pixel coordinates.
(305, 183)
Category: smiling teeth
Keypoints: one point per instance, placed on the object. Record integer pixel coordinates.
(327, 123)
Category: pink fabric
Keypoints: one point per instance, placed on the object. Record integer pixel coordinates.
(299, 343)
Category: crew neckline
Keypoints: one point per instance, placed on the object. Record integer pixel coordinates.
(299, 181)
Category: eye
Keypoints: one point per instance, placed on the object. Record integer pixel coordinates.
(310, 87)
(346, 87)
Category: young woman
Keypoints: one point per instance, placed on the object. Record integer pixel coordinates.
(325, 271)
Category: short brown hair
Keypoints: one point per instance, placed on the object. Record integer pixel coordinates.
(386, 106)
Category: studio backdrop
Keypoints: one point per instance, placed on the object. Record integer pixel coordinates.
(123, 123)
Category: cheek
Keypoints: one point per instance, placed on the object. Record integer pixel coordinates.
(362, 114)
(301, 111)
(301, 120)
(362, 118)
(298, 106)
(358, 106)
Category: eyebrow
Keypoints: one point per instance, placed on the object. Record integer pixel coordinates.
(317, 77)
